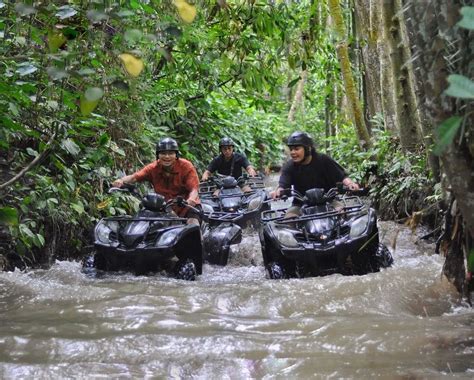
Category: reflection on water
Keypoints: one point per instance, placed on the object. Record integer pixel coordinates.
(404, 322)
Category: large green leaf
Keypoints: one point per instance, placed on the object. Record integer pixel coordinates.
(90, 100)
(445, 133)
(467, 20)
(79, 207)
(93, 94)
(9, 215)
(460, 87)
(70, 146)
(470, 261)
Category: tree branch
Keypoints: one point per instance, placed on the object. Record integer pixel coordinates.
(31, 164)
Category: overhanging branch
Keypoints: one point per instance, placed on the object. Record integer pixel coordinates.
(37, 159)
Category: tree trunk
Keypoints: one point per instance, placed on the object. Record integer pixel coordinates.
(368, 23)
(387, 88)
(446, 49)
(328, 119)
(413, 41)
(407, 128)
(349, 85)
(298, 98)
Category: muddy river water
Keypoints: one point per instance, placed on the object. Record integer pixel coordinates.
(233, 323)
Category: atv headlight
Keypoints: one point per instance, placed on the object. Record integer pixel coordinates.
(359, 226)
(207, 208)
(255, 203)
(287, 239)
(103, 230)
(167, 239)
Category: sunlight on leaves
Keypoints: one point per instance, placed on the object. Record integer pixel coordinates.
(55, 40)
(125, 13)
(134, 66)
(26, 68)
(115, 148)
(470, 261)
(96, 16)
(186, 11)
(78, 207)
(181, 109)
(103, 204)
(8, 215)
(70, 146)
(467, 20)
(132, 35)
(86, 71)
(460, 87)
(66, 11)
(90, 99)
(56, 73)
(24, 9)
(93, 94)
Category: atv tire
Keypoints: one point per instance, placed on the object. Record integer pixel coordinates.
(96, 261)
(382, 257)
(275, 271)
(186, 271)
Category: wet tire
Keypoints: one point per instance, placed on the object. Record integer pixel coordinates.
(186, 271)
(95, 261)
(275, 271)
(382, 257)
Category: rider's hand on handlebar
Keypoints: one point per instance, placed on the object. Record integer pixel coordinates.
(191, 202)
(276, 193)
(252, 172)
(350, 184)
(118, 183)
(353, 186)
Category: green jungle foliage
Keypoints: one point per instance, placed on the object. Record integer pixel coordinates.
(399, 184)
(87, 88)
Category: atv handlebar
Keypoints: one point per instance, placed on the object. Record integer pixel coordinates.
(181, 202)
(217, 180)
(327, 196)
(126, 188)
(132, 189)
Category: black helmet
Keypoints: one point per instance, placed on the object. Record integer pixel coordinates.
(300, 138)
(226, 141)
(167, 143)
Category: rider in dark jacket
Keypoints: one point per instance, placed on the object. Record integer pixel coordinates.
(228, 162)
(309, 169)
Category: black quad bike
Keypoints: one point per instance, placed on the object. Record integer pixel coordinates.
(154, 239)
(335, 233)
(227, 210)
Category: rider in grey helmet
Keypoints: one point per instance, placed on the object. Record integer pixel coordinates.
(228, 162)
(309, 169)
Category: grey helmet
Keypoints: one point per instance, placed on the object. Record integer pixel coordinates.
(226, 141)
(167, 143)
(299, 138)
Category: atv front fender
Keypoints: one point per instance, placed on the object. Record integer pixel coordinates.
(217, 242)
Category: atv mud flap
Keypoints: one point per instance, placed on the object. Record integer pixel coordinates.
(217, 242)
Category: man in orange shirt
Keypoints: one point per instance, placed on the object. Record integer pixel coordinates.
(171, 176)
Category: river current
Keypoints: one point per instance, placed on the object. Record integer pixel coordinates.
(405, 322)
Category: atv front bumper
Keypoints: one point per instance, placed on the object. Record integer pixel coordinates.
(139, 260)
(332, 255)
